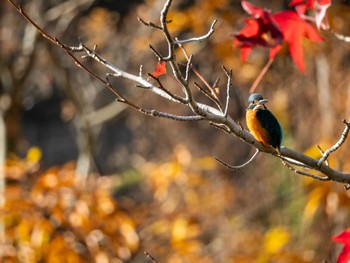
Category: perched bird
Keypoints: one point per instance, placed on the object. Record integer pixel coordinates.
(262, 123)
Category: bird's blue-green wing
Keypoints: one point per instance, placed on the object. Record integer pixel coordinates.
(269, 122)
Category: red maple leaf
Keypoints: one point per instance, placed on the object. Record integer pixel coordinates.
(270, 30)
(320, 6)
(160, 69)
(261, 30)
(343, 238)
(294, 28)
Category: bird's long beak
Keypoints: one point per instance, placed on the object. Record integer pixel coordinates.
(261, 102)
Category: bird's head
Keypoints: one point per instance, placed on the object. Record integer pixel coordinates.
(256, 102)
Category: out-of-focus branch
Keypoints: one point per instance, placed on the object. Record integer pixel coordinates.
(150, 257)
(66, 11)
(324, 95)
(213, 115)
(340, 36)
(105, 113)
(2, 176)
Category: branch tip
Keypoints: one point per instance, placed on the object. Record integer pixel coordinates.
(237, 167)
(337, 145)
(149, 24)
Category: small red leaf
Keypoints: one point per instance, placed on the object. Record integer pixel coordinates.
(160, 69)
(343, 238)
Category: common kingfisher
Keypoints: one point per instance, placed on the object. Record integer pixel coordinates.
(262, 123)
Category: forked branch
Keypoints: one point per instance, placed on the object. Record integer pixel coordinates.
(337, 145)
(216, 115)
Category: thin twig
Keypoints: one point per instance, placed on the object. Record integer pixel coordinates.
(188, 67)
(228, 89)
(183, 49)
(237, 167)
(212, 95)
(158, 55)
(340, 36)
(140, 71)
(211, 89)
(261, 75)
(216, 84)
(148, 255)
(172, 61)
(42, 32)
(321, 178)
(322, 152)
(337, 145)
(208, 95)
(294, 162)
(220, 127)
(161, 86)
(164, 25)
(196, 39)
(150, 24)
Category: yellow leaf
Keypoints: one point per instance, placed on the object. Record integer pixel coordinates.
(34, 155)
(179, 229)
(314, 152)
(128, 231)
(275, 239)
(313, 203)
(183, 229)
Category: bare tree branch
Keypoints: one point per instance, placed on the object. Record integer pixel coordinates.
(237, 167)
(321, 178)
(337, 145)
(196, 39)
(213, 115)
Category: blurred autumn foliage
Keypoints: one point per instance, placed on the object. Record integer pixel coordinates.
(52, 217)
(89, 181)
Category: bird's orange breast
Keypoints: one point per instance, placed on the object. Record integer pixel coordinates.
(256, 129)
